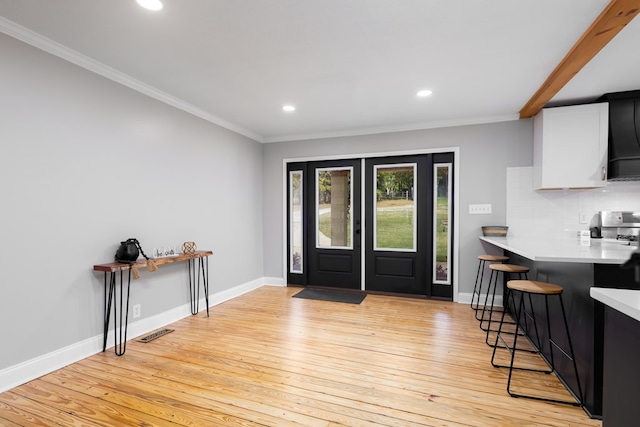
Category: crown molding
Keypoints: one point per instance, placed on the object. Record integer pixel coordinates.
(390, 129)
(39, 41)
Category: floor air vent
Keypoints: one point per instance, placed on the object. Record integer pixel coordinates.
(156, 334)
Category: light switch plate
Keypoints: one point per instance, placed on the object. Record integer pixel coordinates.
(480, 209)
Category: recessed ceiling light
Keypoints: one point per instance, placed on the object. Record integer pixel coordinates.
(288, 108)
(150, 4)
(424, 93)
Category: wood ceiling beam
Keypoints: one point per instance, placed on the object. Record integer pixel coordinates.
(607, 25)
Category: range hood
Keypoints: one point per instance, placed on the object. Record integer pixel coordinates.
(624, 135)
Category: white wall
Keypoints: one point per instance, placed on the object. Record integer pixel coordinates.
(87, 163)
(532, 213)
(485, 153)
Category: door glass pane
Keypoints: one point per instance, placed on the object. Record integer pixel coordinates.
(395, 207)
(295, 218)
(333, 208)
(442, 218)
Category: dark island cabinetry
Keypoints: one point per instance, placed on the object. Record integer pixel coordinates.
(621, 400)
(586, 319)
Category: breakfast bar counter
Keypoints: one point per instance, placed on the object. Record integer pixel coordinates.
(563, 249)
(577, 268)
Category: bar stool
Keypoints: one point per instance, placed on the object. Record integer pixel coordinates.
(496, 269)
(477, 288)
(530, 287)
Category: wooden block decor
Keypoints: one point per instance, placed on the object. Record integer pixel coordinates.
(188, 247)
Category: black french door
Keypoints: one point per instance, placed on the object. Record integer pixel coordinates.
(333, 214)
(398, 218)
(395, 231)
(403, 232)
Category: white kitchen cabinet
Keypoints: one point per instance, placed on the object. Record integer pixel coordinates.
(570, 146)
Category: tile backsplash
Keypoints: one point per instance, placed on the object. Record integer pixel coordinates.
(541, 213)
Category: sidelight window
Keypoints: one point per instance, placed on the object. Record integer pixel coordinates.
(295, 218)
(441, 224)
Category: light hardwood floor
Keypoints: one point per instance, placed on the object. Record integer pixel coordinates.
(268, 359)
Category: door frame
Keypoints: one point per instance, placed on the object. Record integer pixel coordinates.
(456, 202)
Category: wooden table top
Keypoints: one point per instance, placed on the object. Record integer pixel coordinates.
(120, 266)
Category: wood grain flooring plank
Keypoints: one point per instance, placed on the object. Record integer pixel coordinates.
(239, 385)
(83, 407)
(168, 404)
(38, 413)
(264, 358)
(349, 377)
(359, 363)
(356, 393)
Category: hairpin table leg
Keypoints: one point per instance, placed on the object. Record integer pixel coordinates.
(194, 289)
(108, 298)
(197, 273)
(204, 268)
(120, 322)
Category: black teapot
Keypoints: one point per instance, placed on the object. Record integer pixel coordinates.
(128, 251)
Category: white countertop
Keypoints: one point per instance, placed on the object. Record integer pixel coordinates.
(626, 301)
(563, 249)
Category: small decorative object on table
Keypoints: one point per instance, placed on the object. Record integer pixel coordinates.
(189, 247)
(165, 251)
(128, 253)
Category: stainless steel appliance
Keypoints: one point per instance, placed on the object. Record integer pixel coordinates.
(622, 227)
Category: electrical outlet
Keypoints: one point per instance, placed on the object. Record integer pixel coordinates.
(584, 219)
(480, 209)
(136, 311)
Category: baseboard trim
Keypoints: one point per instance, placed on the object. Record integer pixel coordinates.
(465, 298)
(274, 281)
(21, 373)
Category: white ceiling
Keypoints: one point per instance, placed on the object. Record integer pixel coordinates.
(349, 66)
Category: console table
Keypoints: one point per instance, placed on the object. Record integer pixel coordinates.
(196, 273)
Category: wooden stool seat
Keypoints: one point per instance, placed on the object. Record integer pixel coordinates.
(535, 287)
(509, 268)
(493, 258)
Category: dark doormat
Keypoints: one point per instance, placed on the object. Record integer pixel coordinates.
(334, 296)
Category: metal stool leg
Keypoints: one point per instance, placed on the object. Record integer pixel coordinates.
(538, 346)
(508, 297)
(486, 301)
(519, 312)
(489, 308)
(551, 364)
(505, 308)
(580, 398)
(499, 337)
(478, 286)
